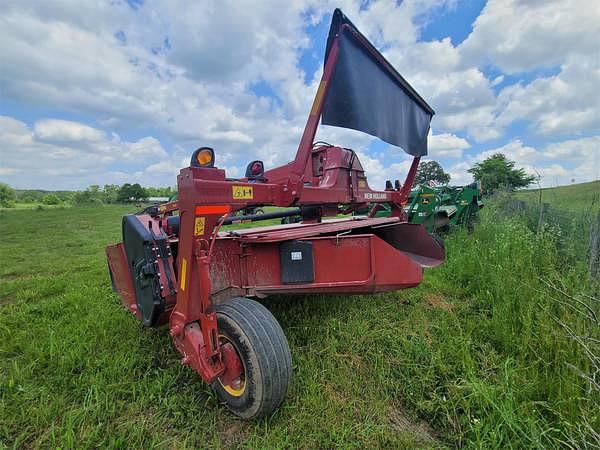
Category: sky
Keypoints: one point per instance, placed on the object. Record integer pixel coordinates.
(114, 91)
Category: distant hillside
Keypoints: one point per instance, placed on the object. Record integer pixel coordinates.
(574, 196)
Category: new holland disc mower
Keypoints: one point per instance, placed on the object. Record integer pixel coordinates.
(175, 266)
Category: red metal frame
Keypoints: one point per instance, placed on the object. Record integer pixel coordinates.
(213, 266)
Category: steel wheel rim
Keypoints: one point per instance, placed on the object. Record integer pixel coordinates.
(238, 389)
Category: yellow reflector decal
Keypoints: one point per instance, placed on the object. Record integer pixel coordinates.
(318, 98)
(199, 226)
(242, 192)
(183, 273)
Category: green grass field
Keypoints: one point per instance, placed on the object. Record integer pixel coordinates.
(574, 197)
(474, 357)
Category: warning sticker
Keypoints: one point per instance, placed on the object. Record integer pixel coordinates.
(199, 226)
(317, 102)
(242, 192)
(183, 273)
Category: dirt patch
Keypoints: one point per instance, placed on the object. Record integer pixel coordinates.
(232, 434)
(334, 394)
(6, 300)
(437, 301)
(13, 276)
(401, 422)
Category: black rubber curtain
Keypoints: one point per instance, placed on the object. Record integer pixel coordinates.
(367, 94)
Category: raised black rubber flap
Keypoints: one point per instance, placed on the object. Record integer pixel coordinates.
(367, 94)
(143, 247)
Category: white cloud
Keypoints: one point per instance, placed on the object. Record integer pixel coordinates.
(446, 145)
(459, 175)
(567, 103)
(144, 149)
(514, 150)
(71, 67)
(73, 155)
(52, 130)
(578, 150)
(519, 36)
(522, 37)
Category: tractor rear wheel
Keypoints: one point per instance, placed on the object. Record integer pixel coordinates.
(260, 384)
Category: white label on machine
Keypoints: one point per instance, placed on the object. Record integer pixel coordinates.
(296, 256)
(375, 196)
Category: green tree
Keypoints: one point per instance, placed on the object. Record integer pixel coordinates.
(7, 195)
(27, 197)
(91, 195)
(50, 199)
(138, 192)
(159, 191)
(131, 192)
(498, 171)
(124, 193)
(111, 193)
(30, 196)
(431, 171)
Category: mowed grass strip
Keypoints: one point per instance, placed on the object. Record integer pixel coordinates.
(472, 357)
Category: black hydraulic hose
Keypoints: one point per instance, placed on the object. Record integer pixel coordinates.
(265, 216)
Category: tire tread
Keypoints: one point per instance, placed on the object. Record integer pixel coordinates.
(270, 347)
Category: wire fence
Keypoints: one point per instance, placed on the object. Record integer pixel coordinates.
(576, 233)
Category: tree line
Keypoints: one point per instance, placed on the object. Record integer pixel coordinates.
(94, 194)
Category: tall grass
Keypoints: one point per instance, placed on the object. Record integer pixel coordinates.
(520, 382)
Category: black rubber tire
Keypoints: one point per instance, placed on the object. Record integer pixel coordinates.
(265, 354)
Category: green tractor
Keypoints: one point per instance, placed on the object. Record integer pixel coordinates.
(438, 208)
